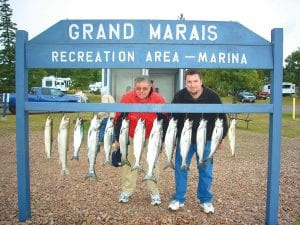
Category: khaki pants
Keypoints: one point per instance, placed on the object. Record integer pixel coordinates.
(129, 177)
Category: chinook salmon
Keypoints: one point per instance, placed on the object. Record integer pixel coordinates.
(231, 136)
(48, 138)
(138, 144)
(201, 140)
(154, 148)
(62, 140)
(216, 137)
(77, 137)
(124, 142)
(108, 140)
(185, 142)
(92, 144)
(170, 142)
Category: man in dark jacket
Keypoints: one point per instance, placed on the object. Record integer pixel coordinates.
(196, 93)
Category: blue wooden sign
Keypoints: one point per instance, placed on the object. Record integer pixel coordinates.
(148, 44)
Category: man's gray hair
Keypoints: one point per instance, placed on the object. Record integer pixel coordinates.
(142, 79)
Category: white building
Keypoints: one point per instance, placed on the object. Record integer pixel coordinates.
(166, 81)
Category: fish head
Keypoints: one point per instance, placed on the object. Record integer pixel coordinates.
(79, 122)
(49, 121)
(234, 122)
(202, 123)
(65, 122)
(125, 123)
(173, 123)
(219, 122)
(95, 123)
(109, 123)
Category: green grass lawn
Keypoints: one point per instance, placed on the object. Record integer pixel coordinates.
(259, 122)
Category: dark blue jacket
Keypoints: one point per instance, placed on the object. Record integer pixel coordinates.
(208, 96)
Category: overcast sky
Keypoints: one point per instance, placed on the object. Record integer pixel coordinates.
(260, 16)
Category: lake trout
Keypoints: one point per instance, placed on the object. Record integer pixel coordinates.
(48, 138)
(138, 144)
(93, 144)
(124, 142)
(216, 137)
(108, 140)
(77, 137)
(170, 142)
(231, 136)
(62, 140)
(201, 140)
(154, 148)
(185, 142)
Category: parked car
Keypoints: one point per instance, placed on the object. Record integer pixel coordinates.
(246, 96)
(262, 95)
(43, 94)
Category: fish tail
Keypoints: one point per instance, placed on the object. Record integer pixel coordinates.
(137, 167)
(91, 176)
(169, 165)
(150, 177)
(208, 159)
(200, 164)
(107, 162)
(184, 167)
(75, 158)
(64, 172)
(125, 162)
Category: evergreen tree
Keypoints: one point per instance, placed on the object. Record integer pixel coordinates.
(7, 47)
(292, 68)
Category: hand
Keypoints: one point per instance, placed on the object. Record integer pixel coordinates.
(116, 145)
(221, 144)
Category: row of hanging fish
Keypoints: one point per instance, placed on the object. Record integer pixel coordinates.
(92, 142)
(154, 143)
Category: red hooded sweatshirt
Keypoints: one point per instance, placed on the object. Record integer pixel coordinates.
(149, 117)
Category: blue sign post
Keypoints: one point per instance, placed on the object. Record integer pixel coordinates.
(149, 44)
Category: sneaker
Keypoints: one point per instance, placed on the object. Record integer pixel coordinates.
(175, 205)
(124, 197)
(207, 207)
(155, 199)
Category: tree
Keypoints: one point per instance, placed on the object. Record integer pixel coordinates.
(231, 81)
(292, 68)
(7, 46)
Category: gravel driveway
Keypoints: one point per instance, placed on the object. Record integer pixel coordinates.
(239, 188)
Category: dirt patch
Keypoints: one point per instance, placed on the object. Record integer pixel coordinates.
(240, 187)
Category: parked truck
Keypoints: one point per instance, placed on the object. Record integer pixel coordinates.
(43, 94)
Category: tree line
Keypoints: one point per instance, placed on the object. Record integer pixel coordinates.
(223, 81)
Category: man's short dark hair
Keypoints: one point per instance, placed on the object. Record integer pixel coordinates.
(192, 72)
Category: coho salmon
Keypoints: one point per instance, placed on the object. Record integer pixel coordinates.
(185, 142)
(62, 140)
(48, 138)
(154, 148)
(124, 142)
(92, 144)
(170, 142)
(201, 140)
(77, 137)
(138, 144)
(216, 137)
(231, 136)
(108, 140)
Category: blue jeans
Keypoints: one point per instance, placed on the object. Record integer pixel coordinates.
(205, 175)
(102, 129)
